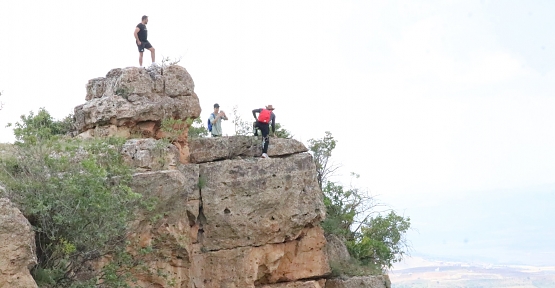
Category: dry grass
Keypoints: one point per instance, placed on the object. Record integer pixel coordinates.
(6, 149)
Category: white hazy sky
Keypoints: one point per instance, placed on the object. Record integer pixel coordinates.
(429, 100)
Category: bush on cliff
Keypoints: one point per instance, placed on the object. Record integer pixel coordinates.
(373, 239)
(40, 127)
(75, 193)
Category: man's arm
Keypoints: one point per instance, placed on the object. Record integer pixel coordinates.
(137, 35)
(213, 118)
(222, 115)
(254, 113)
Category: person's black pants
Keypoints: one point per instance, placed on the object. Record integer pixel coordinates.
(265, 129)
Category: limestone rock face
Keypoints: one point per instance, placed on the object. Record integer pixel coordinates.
(252, 266)
(336, 250)
(231, 220)
(381, 281)
(17, 247)
(298, 284)
(211, 149)
(259, 201)
(169, 230)
(150, 154)
(133, 101)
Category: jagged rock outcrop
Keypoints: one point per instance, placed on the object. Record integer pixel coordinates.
(254, 202)
(133, 102)
(230, 223)
(218, 215)
(237, 222)
(17, 247)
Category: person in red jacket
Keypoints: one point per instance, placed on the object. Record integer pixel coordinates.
(265, 116)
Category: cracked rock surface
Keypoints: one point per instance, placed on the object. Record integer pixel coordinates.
(17, 247)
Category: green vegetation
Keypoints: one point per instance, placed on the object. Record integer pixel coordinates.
(76, 195)
(34, 129)
(174, 128)
(375, 240)
(242, 127)
(281, 132)
(124, 92)
(197, 129)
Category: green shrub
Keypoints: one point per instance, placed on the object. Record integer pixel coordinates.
(41, 127)
(381, 240)
(174, 128)
(76, 195)
(197, 129)
(373, 240)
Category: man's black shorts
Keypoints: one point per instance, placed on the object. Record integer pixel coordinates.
(144, 44)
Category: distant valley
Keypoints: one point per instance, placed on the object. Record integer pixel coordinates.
(419, 272)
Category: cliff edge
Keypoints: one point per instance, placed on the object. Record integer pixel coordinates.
(221, 216)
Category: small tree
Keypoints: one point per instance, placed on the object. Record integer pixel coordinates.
(197, 129)
(381, 241)
(242, 127)
(371, 238)
(282, 132)
(321, 151)
(41, 127)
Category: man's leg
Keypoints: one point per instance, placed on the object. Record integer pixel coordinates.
(152, 54)
(265, 129)
(141, 59)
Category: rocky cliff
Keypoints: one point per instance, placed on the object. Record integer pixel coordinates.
(132, 102)
(17, 248)
(223, 216)
(233, 219)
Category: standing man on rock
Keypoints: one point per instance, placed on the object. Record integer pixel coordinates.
(216, 120)
(265, 116)
(141, 40)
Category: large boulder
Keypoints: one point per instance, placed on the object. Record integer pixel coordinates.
(211, 149)
(17, 247)
(250, 266)
(252, 202)
(134, 101)
(168, 230)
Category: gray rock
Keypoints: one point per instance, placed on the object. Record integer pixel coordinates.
(17, 247)
(381, 281)
(177, 193)
(336, 250)
(211, 149)
(150, 154)
(127, 96)
(259, 201)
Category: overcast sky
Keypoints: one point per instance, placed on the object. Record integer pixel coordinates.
(430, 101)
